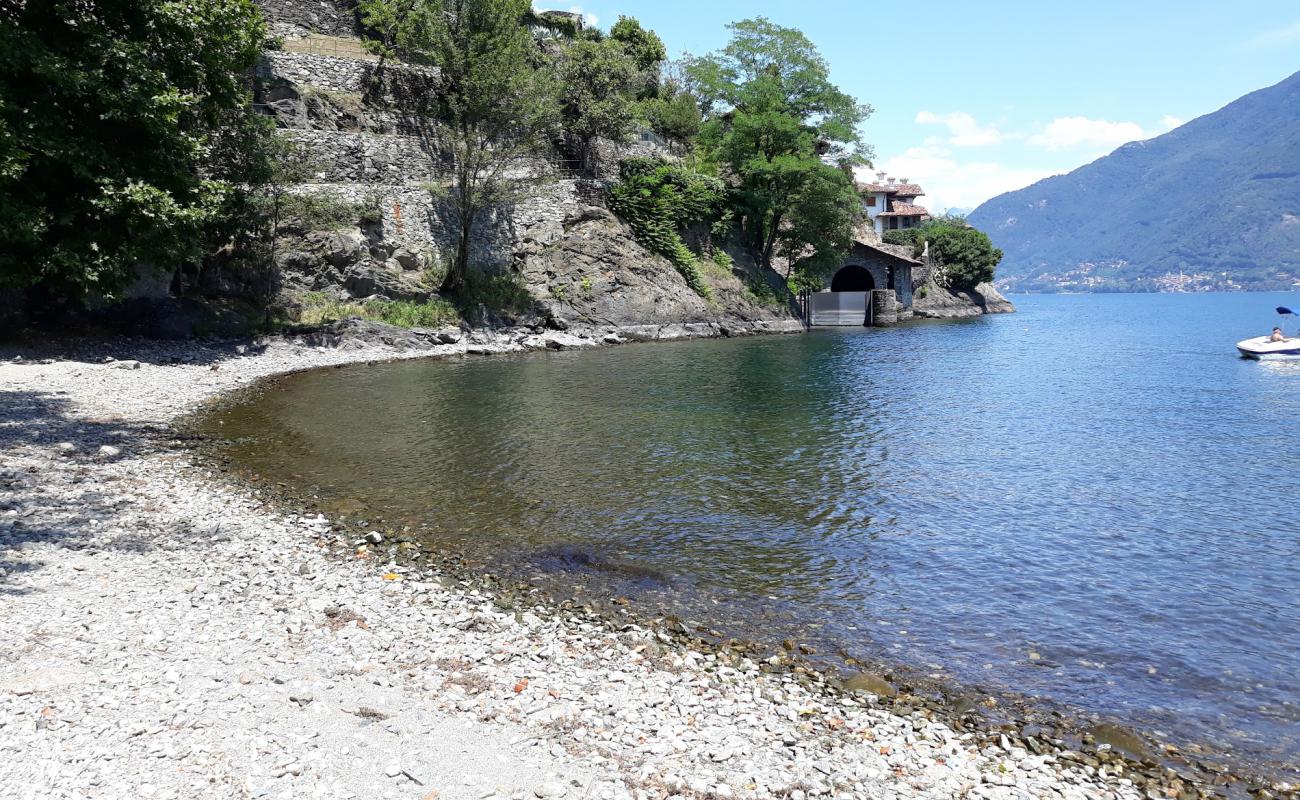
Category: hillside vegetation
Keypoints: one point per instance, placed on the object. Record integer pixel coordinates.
(480, 136)
(1214, 204)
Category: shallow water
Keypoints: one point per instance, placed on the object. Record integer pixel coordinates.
(1093, 500)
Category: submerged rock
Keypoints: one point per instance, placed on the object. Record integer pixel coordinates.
(867, 683)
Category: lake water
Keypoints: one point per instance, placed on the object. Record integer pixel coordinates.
(1093, 500)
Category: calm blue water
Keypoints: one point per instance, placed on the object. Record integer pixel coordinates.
(1093, 500)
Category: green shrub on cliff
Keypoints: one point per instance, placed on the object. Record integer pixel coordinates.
(126, 136)
(660, 201)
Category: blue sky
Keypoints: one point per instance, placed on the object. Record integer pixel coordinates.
(977, 97)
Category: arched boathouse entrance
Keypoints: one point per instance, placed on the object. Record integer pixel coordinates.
(873, 287)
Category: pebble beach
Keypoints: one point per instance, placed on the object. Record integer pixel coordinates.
(171, 635)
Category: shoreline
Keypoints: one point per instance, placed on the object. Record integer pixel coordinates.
(629, 712)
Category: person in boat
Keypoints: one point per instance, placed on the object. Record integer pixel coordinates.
(1277, 336)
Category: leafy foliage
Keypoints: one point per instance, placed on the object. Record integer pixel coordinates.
(598, 81)
(126, 135)
(964, 256)
(644, 46)
(674, 114)
(660, 201)
(646, 50)
(551, 25)
(322, 212)
(905, 237)
(789, 137)
(498, 106)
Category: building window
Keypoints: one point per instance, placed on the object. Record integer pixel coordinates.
(871, 201)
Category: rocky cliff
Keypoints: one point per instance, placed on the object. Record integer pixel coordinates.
(366, 223)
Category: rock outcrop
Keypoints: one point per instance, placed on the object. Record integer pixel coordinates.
(934, 302)
(382, 232)
(596, 273)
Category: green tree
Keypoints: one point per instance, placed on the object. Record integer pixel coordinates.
(789, 137)
(495, 107)
(674, 114)
(964, 255)
(646, 50)
(124, 128)
(644, 46)
(598, 81)
(818, 231)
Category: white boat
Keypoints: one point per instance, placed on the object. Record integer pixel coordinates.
(1265, 347)
(1261, 347)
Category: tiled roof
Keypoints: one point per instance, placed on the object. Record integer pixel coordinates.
(904, 189)
(905, 210)
(902, 252)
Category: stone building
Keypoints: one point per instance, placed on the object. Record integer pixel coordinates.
(875, 286)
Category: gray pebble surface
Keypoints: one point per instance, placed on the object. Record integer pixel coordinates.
(167, 635)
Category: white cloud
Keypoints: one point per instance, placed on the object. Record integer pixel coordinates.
(1278, 36)
(1066, 132)
(963, 129)
(950, 183)
(1169, 121)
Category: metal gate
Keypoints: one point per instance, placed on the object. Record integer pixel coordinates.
(839, 309)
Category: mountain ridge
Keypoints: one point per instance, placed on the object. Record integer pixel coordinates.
(1211, 205)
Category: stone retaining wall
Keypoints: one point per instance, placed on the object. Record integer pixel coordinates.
(328, 72)
(340, 74)
(298, 17)
(411, 218)
(366, 158)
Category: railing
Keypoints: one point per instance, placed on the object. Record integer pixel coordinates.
(336, 46)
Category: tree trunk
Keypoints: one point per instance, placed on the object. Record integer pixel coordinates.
(455, 280)
(590, 161)
(770, 243)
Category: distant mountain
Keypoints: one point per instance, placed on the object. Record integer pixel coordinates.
(1214, 204)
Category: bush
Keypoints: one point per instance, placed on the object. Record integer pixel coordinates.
(964, 256)
(325, 212)
(907, 237)
(319, 308)
(495, 292)
(661, 200)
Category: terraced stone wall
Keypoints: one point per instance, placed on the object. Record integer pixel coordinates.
(328, 72)
(296, 18)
